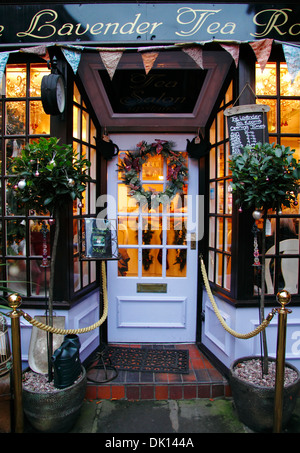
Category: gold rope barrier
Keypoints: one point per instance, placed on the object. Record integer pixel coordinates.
(243, 336)
(43, 326)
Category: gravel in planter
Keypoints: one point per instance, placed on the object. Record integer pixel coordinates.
(251, 371)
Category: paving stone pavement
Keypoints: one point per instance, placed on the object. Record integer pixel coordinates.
(166, 417)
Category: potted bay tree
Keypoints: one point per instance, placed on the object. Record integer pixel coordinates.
(46, 178)
(264, 177)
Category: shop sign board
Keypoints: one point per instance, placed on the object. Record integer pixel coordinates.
(99, 239)
(247, 125)
(145, 22)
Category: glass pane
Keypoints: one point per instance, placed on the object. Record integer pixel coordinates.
(228, 199)
(176, 263)
(92, 187)
(271, 114)
(212, 163)
(152, 230)
(219, 268)
(85, 273)
(229, 93)
(220, 189)
(153, 169)
(220, 223)
(93, 168)
(126, 203)
(13, 147)
(179, 202)
(93, 271)
(266, 80)
(220, 119)
(289, 117)
(84, 152)
(93, 133)
(220, 161)
(15, 118)
(211, 266)
(227, 272)
(39, 121)
(228, 172)
(37, 72)
(288, 277)
(85, 126)
(121, 156)
(77, 273)
(154, 188)
(76, 95)
(39, 241)
(15, 237)
(212, 133)
(151, 263)
(16, 276)
(212, 197)
(286, 87)
(212, 232)
(128, 263)
(294, 143)
(127, 230)
(16, 80)
(176, 232)
(228, 234)
(76, 122)
(39, 278)
(287, 228)
(12, 207)
(83, 205)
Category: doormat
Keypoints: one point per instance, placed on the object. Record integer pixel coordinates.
(148, 360)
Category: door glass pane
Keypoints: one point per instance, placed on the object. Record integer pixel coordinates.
(153, 169)
(126, 203)
(128, 230)
(176, 232)
(152, 230)
(176, 263)
(128, 262)
(151, 262)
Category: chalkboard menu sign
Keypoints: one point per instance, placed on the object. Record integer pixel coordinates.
(247, 125)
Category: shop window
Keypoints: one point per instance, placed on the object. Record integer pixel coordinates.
(22, 122)
(274, 88)
(84, 132)
(220, 200)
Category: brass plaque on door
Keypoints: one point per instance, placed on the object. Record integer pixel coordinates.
(151, 287)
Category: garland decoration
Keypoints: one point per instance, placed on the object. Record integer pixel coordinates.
(131, 165)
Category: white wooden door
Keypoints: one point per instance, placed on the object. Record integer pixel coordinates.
(152, 290)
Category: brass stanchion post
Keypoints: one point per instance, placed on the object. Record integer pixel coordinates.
(283, 297)
(14, 301)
